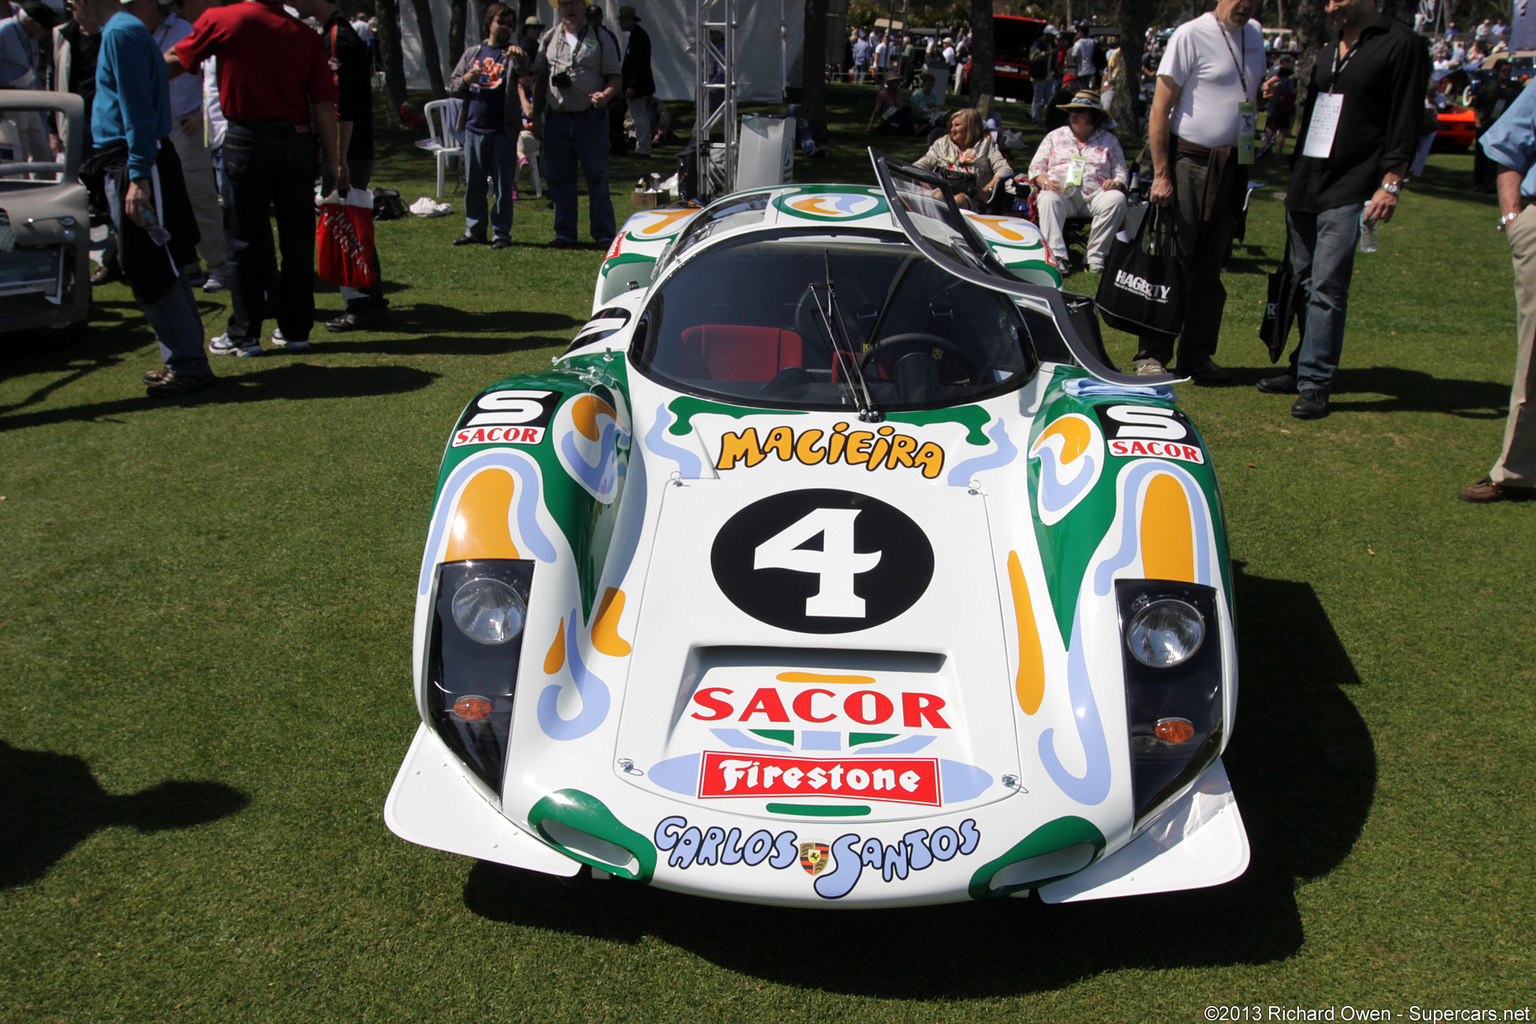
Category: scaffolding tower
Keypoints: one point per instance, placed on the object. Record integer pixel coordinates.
(715, 101)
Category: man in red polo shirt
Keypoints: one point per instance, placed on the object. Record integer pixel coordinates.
(272, 76)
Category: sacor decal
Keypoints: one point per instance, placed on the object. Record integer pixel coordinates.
(507, 417)
(822, 561)
(1149, 431)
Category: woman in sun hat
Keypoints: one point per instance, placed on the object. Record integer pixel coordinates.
(1080, 168)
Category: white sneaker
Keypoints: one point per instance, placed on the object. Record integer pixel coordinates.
(222, 346)
(1149, 368)
(278, 341)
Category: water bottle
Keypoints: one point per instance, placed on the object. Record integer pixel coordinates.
(1368, 239)
(157, 232)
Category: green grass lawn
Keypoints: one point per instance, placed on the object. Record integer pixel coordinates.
(205, 615)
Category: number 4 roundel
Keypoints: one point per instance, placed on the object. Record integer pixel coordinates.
(822, 561)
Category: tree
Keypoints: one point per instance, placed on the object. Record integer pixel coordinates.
(394, 59)
(983, 51)
(431, 56)
(1126, 80)
(458, 11)
(813, 70)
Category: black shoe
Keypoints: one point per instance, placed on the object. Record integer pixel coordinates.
(174, 385)
(468, 240)
(561, 243)
(1284, 384)
(604, 243)
(502, 243)
(1311, 404)
(356, 322)
(1206, 373)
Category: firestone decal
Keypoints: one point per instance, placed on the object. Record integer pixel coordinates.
(688, 846)
(906, 780)
(873, 449)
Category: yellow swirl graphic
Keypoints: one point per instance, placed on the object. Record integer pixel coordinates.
(479, 528)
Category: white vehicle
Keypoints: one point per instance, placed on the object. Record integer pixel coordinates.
(830, 566)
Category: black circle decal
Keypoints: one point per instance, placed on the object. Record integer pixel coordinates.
(822, 561)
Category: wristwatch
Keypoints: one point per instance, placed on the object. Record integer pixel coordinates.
(1505, 219)
(1391, 188)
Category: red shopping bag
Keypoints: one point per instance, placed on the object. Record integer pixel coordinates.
(344, 239)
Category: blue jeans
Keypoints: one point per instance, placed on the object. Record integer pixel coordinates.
(567, 139)
(174, 317)
(1044, 90)
(1323, 258)
(269, 170)
(494, 157)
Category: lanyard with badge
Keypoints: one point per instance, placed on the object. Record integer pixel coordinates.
(1247, 115)
(1328, 108)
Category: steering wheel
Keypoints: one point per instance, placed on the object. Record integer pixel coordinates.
(916, 340)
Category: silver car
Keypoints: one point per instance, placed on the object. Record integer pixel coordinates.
(45, 278)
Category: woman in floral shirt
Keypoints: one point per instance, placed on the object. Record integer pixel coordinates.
(1080, 168)
(969, 150)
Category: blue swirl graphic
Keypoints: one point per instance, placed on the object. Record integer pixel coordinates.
(593, 691)
(601, 478)
(1093, 786)
(1054, 495)
(1130, 532)
(689, 465)
(1006, 452)
(533, 537)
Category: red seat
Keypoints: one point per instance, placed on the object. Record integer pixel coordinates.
(731, 352)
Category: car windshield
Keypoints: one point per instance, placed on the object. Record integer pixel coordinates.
(830, 322)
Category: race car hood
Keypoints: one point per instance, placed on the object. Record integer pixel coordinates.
(812, 607)
(723, 684)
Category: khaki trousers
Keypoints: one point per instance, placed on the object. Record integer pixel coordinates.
(1517, 463)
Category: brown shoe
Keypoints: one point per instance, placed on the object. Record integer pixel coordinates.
(1485, 491)
(159, 376)
(174, 385)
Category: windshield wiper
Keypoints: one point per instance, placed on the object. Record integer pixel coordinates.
(836, 336)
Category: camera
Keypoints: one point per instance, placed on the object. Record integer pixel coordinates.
(562, 79)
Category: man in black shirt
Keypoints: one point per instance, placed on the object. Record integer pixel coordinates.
(1492, 98)
(639, 84)
(1359, 135)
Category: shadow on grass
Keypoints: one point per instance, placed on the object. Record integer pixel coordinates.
(453, 344)
(448, 321)
(51, 802)
(1402, 390)
(290, 381)
(1302, 764)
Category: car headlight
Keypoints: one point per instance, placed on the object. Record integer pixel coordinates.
(1173, 686)
(472, 657)
(1165, 632)
(489, 611)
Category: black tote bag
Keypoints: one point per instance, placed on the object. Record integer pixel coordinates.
(1281, 308)
(1142, 290)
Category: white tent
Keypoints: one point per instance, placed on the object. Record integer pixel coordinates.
(769, 37)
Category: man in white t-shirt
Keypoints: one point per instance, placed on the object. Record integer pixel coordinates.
(1082, 60)
(1208, 85)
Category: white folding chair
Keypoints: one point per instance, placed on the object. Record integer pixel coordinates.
(444, 141)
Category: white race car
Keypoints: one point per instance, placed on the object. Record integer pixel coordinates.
(832, 565)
